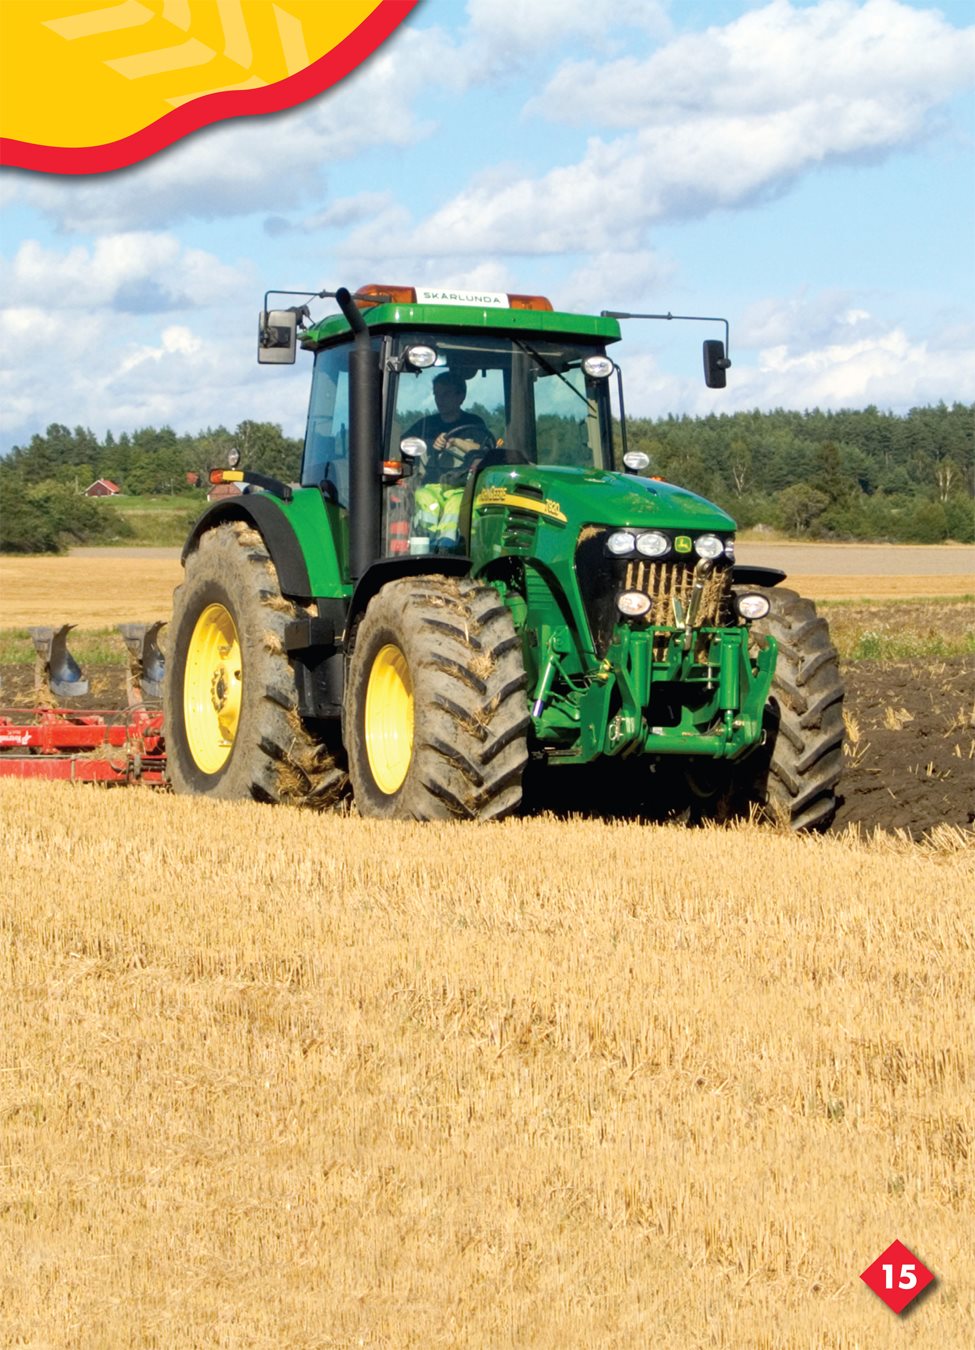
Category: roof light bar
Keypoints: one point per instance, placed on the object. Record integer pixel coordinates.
(376, 294)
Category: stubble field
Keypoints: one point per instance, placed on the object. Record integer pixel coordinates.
(269, 1078)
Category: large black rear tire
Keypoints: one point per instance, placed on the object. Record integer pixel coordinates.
(793, 778)
(230, 701)
(436, 717)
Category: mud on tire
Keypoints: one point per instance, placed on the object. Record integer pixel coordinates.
(793, 777)
(270, 755)
(437, 680)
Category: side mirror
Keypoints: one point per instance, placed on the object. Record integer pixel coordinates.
(715, 364)
(277, 337)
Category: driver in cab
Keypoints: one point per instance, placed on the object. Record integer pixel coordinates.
(454, 438)
(451, 433)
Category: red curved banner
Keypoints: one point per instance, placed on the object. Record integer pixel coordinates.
(197, 112)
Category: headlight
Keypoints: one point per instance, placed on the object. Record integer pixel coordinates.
(620, 542)
(633, 604)
(708, 546)
(653, 544)
(729, 548)
(597, 367)
(636, 460)
(752, 605)
(412, 446)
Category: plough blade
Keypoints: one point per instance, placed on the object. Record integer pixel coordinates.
(114, 745)
(55, 666)
(146, 661)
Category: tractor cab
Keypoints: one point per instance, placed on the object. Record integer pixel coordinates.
(457, 393)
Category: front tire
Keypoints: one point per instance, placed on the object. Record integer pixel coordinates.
(436, 718)
(796, 772)
(230, 702)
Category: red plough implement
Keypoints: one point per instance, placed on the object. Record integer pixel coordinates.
(93, 746)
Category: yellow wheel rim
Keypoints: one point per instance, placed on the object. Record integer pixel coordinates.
(389, 719)
(212, 688)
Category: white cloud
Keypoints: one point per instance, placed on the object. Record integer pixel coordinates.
(496, 35)
(115, 373)
(338, 215)
(813, 349)
(719, 119)
(177, 340)
(810, 318)
(613, 279)
(888, 367)
(853, 62)
(189, 377)
(137, 271)
(567, 210)
(39, 385)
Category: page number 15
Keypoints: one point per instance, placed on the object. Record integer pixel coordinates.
(908, 1277)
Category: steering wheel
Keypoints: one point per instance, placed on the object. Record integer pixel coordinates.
(481, 434)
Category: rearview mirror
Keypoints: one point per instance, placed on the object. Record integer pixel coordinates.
(715, 364)
(277, 337)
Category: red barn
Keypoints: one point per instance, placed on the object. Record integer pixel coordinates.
(224, 490)
(103, 487)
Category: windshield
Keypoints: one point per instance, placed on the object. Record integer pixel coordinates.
(529, 398)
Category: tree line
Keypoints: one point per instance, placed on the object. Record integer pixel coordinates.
(43, 508)
(862, 474)
(827, 475)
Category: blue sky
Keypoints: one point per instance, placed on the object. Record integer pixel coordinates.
(804, 167)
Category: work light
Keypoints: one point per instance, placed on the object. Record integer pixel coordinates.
(652, 544)
(634, 604)
(421, 356)
(620, 542)
(752, 605)
(708, 546)
(597, 367)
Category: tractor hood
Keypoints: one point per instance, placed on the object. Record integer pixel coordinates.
(579, 497)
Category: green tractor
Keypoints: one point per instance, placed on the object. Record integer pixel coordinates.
(475, 585)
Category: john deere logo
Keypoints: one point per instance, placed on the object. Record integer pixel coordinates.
(682, 544)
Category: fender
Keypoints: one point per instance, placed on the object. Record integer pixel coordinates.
(276, 531)
(391, 569)
(748, 574)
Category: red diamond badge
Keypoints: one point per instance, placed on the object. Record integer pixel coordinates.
(897, 1276)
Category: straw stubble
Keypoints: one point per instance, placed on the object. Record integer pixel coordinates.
(270, 1078)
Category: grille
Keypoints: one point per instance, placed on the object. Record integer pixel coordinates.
(666, 582)
(601, 578)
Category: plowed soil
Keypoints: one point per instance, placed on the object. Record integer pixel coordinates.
(910, 752)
